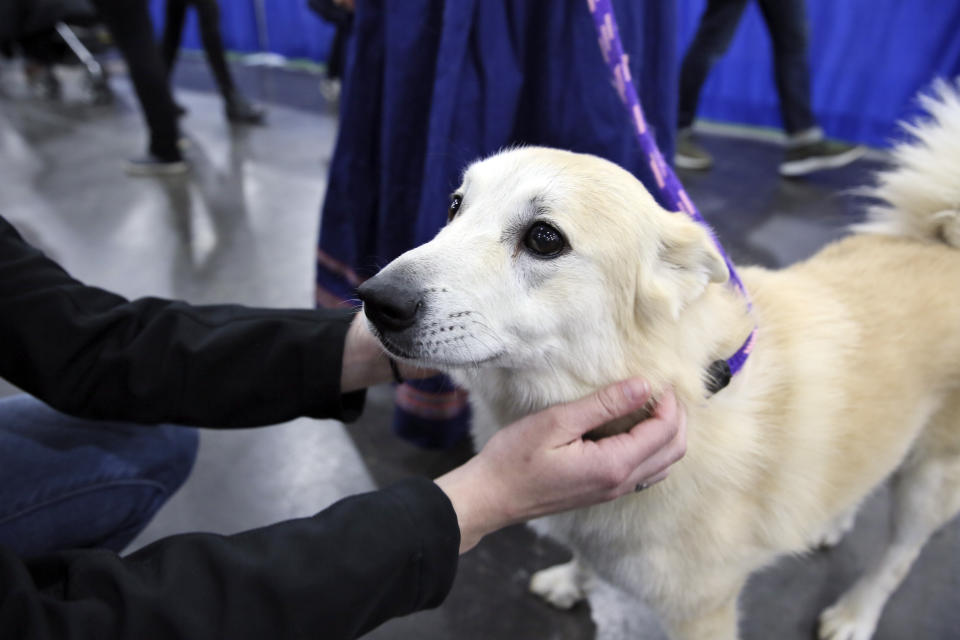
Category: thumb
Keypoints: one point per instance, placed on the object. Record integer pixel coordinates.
(615, 401)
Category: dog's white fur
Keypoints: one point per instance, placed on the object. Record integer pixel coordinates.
(855, 374)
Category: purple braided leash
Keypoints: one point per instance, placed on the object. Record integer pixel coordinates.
(673, 193)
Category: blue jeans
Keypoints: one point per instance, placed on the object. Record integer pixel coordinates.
(787, 23)
(67, 482)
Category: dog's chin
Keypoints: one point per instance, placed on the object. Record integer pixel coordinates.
(449, 363)
(394, 346)
(399, 347)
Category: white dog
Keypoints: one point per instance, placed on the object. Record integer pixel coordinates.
(558, 273)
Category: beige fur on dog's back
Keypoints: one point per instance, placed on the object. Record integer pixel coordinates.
(855, 372)
(859, 347)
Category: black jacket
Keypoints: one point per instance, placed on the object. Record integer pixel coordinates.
(92, 353)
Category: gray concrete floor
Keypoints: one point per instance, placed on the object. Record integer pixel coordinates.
(242, 228)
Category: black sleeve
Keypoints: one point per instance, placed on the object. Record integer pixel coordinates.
(336, 575)
(94, 354)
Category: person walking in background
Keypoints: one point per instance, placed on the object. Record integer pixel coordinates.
(807, 148)
(132, 31)
(238, 109)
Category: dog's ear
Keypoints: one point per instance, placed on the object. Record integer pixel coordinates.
(687, 261)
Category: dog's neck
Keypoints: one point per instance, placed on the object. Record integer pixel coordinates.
(667, 353)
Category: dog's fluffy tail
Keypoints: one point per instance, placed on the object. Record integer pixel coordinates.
(919, 193)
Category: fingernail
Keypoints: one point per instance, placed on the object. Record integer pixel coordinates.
(636, 390)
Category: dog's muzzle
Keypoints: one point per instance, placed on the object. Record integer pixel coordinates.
(390, 303)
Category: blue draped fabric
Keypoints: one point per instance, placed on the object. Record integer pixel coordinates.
(433, 85)
(238, 25)
(292, 29)
(295, 31)
(868, 58)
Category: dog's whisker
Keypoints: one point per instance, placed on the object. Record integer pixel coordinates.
(498, 342)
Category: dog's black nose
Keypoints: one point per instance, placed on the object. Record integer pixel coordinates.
(389, 304)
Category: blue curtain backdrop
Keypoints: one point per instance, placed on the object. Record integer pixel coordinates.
(293, 30)
(868, 58)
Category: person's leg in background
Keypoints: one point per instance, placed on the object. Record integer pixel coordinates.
(339, 13)
(131, 29)
(173, 20)
(331, 85)
(807, 149)
(789, 34)
(717, 26)
(237, 108)
(67, 483)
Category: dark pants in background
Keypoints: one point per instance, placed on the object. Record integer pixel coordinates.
(132, 31)
(787, 23)
(208, 14)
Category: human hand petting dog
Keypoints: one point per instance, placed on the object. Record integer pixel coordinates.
(541, 464)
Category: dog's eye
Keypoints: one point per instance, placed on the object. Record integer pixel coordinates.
(455, 201)
(544, 240)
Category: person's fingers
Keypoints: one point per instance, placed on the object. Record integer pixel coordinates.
(667, 407)
(646, 437)
(570, 421)
(642, 484)
(656, 467)
(644, 450)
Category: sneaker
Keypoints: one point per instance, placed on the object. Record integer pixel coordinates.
(151, 165)
(330, 89)
(689, 154)
(815, 156)
(239, 111)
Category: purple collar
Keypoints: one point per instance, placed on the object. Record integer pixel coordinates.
(721, 371)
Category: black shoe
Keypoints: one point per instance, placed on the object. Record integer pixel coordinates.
(151, 165)
(239, 111)
(815, 156)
